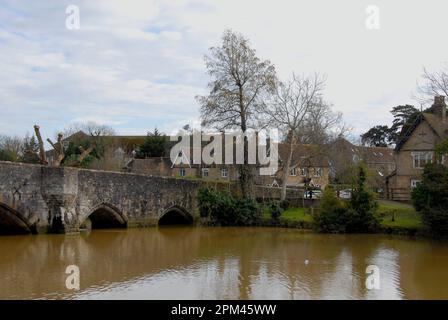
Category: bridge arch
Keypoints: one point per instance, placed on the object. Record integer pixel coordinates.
(12, 222)
(104, 216)
(175, 215)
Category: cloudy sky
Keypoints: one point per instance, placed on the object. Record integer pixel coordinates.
(135, 65)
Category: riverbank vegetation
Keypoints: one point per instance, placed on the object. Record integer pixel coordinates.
(358, 215)
(394, 217)
(224, 209)
(431, 199)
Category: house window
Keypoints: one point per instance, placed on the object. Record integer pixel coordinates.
(442, 159)
(292, 172)
(414, 183)
(182, 172)
(304, 172)
(205, 172)
(224, 173)
(318, 172)
(420, 159)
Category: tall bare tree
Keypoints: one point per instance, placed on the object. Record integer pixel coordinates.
(290, 104)
(239, 81)
(434, 83)
(322, 125)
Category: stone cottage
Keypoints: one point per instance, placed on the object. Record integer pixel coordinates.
(416, 149)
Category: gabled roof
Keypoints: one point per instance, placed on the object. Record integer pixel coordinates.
(439, 127)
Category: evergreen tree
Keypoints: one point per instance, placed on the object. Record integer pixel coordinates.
(153, 146)
(30, 150)
(363, 206)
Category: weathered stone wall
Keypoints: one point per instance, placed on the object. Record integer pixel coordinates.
(49, 199)
(20, 186)
(140, 200)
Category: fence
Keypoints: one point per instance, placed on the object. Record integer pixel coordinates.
(294, 195)
(399, 194)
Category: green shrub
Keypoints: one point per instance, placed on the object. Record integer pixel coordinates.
(332, 214)
(221, 208)
(275, 209)
(359, 215)
(430, 198)
(246, 212)
(6, 156)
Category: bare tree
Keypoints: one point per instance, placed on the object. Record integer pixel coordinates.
(291, 103)
(90, 128)
(434, 84)
(239, 81)
(322, 125)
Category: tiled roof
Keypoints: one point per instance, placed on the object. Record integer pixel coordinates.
(434, 121)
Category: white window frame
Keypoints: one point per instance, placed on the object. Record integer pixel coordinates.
(292, 172)
(414, 182)
(421, 158)
(224, 173)
(205, 170)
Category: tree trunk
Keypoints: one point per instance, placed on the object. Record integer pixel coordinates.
(287, 165)
(84, 153)
(245, 170)
(42, 157)
(59, 149)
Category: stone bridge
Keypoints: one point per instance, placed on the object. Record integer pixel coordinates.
(41, 199)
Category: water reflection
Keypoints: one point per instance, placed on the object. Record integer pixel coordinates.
(221, 263)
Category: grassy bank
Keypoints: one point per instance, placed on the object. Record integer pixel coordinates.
(399, 218)
(290, 218)
(396, 218)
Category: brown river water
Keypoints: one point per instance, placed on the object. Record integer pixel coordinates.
(221, 263)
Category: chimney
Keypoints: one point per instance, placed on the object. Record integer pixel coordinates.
(439, 107)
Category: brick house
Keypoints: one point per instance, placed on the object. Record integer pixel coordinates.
(309, 165)
(416, 149)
